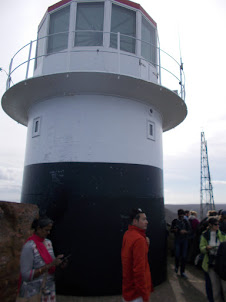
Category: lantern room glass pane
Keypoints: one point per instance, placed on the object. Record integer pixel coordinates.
(58, 30)
(148, 45)
(89, 24)
(123, 20)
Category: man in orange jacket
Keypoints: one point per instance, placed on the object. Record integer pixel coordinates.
(136, 283)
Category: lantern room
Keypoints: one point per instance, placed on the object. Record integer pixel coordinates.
(106, 36)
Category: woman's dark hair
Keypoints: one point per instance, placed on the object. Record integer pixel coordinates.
(41, 222)
(223, 213)
(220, 212)
(212, 221)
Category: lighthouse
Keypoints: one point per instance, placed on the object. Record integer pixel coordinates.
(95, 110)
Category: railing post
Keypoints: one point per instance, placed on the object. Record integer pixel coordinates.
(9, 75)
(181, 79)
(160, 76)
(118, 48)
(28, 61)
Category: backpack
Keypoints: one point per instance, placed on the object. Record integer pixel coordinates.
(220, 261)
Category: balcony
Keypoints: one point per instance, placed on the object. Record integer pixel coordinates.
(109, 52)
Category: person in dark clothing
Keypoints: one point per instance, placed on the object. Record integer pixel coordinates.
(181, 229)
(186, 214)
(222, 222)
(193, 241)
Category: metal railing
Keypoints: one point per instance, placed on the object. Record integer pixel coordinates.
(122, 47)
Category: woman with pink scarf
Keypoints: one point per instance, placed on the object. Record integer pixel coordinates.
(37, 261)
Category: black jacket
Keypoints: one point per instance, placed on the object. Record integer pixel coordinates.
(178, 225)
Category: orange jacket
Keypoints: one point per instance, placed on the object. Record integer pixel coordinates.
(136, 276)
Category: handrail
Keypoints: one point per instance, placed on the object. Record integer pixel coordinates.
(157, 64)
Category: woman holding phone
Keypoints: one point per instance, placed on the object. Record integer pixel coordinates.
(38, 263)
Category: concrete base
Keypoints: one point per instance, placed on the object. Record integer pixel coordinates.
(175, 289)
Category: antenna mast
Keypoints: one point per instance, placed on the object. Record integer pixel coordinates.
(206, 188)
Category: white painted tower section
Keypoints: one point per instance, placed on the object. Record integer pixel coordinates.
(98, 129)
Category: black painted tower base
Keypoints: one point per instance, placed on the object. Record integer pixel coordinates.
(89, 203)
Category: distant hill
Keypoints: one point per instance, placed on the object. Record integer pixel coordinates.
(171, 209)
(169, 215)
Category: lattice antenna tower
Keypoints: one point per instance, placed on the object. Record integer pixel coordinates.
(206, 188)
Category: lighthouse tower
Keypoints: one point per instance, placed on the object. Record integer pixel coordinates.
(95, 111)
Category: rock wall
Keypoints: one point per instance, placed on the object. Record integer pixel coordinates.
(15, 228)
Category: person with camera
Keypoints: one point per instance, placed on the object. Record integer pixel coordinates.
(209, 243)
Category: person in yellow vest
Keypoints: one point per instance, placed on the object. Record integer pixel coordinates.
(209, 243)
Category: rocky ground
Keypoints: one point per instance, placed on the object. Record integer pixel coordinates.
(175, 289)
(179, 289)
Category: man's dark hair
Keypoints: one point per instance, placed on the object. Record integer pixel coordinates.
(135, 214)
(180, 212)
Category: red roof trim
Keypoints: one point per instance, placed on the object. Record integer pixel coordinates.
(129, 3)
(148, 16)
(58, 4)
(126, 2)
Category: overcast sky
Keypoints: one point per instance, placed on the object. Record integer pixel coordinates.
(199, 28)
